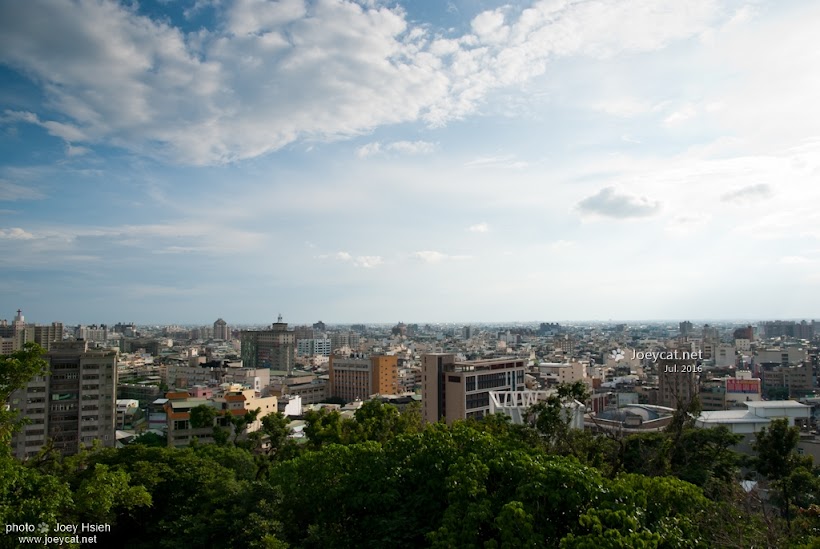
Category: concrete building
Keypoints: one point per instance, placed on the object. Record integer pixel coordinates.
(756, 416)
(454, 390)
(221, 330)
(183, 376)
(233, 400)
(725, 356)
(311, 392)
(73, 405)
(359, 376)
(787, 356)
(677, 378)
(144, 393)
(789, 329)
(18, 333)
(126, 409)
(94, 333)
(314, 346)
(555, 373)
(633, 418)
(274, 348)
(340, 340)
(796, 380)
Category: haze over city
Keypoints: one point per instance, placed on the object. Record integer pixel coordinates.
(425, 161)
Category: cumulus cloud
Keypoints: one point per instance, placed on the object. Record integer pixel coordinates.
(608, 202)
(479, 228)
(260, 78)
(747, 194)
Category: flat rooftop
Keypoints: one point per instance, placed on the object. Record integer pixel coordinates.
(775, 404)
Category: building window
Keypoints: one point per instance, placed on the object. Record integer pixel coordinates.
(478, 400)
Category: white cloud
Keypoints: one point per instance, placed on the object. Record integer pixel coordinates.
(680, 116)
(683, 225)
(504, 161)
(561, 245)
(364, 261)
(260, 80)
(16, 233)
(749, 193)
(368, 261)
(433, 257)
(795, 260)
(11, 191)
(370, 149)
(609, 202)
(479, 228)
(401, 147)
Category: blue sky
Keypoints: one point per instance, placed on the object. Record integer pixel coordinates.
(175, 162)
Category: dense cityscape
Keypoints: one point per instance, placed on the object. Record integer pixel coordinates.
(267, 388)
(392, 274)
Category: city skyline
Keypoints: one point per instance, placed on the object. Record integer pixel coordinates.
(335, 324)
(368, 161)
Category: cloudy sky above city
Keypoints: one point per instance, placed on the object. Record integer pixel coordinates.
(375, 161)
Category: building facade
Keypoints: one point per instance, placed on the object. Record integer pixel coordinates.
(221, 330)
(454, 390)
(359, 377)
(73, 405)
(274, 348)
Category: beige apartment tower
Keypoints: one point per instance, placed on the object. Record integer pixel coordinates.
(454, 390)
(274, 348)
(678, 382)
(73, 405)
(221, 330)
(359, 377)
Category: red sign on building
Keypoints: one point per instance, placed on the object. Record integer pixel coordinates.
(743, 386)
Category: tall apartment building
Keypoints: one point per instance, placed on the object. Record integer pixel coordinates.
(458, 390)
(781, 328)
(274, 348)
(677, 381)
(92, 333)
(221, 330)
(303, 332)
(311, 347)
(797, 380)
(362, 376)
(73, 405)
(15, 335)
(338, 340)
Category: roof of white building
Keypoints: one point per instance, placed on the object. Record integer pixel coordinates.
(775, 404)
(731, 416)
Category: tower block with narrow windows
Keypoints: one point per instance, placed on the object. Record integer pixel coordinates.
(73, 405)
